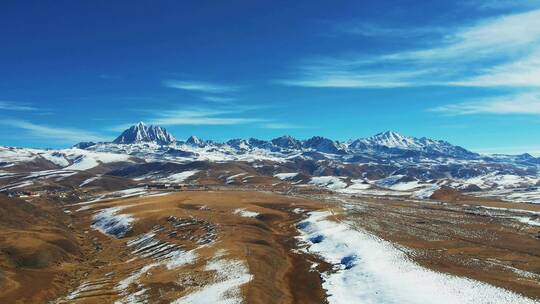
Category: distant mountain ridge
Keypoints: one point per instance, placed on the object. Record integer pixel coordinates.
(384, 159)
(389, 146)
(387, 143)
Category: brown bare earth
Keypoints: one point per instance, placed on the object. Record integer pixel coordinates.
(36, 251)
(264, 243)
(49, 252)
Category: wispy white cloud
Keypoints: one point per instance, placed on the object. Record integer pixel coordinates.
(280, 126)
(476, 55)
(110, 77)
(199, 86)
(56, 134)
(373, 30)
(218, 99)
(524, 72)
(14, 106)
(524, 103)
(224, 115)
(349, 79)
(503, 4)
(203, 117)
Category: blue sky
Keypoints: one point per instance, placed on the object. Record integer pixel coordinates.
(464, 71)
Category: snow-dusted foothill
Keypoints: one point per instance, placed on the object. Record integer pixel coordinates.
(370, 270)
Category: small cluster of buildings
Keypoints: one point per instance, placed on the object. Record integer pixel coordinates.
(171, 186)
(29, 194)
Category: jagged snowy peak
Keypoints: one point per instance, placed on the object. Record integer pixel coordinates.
(325, 145)
(240, 144)
(260, 144)
(287, 142)
(142, 133)
(392, 139)
(250, 144)
(195, 141)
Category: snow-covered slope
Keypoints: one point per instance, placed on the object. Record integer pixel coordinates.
(392, 142)
(69, 159)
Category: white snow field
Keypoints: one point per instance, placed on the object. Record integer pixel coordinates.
(84, 160)
(373, 271)
(179, 177)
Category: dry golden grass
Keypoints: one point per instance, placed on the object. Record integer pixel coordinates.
(47, 254)
(264, 243)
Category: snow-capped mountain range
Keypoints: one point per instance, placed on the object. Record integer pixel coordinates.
(387, 146)
(387, 160)
(389, 143)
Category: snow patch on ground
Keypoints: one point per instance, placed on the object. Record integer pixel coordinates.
(108, 221)
(358, 186)
(245, 213)
(406, 186)
(499, 181)
(232, 178)
(32, 178)
(89, 180)
(529, 221)
(285, 176)
(17, 185)
(116, 194)
(371, 270)
(162, 253)
(180, 258)
(229, 276)
(84, 288)
(426, 192)
(330, 182)
(179, 177)
(133, 278)
(531, 218)
(4, 174)
(170, 255)
(298, 210)
(527, 195)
